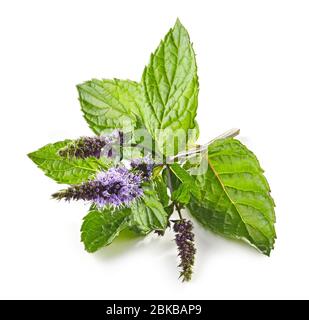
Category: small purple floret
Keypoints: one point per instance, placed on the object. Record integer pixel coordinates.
(144, 165)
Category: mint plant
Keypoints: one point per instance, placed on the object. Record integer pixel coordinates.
(143, 169)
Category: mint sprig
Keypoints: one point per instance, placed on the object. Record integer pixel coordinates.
(154, 169)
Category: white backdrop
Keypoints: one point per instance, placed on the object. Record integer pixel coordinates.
(254, 74)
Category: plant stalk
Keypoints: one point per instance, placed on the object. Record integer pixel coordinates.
(170, 186)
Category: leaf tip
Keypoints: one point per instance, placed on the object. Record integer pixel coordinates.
(82, 86)
(267, 252)
(178, 23)
(30, 155)
(89, 249)
(79, 87)
(179, 26)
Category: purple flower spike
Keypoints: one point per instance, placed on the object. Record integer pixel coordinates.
(85, 147)
(115, 187)
(185, 243)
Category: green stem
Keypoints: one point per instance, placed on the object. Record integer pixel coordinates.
(170, 186)
(179, 211)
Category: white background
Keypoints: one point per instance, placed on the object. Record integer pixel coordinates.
(253, 59)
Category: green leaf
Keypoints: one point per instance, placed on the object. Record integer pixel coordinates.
(182, 194)
(101, 227)
(148, 214)
(64, 170)
(189, 185)
(111, 104)
(236, 199)
(170, 84)
(161, 189)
